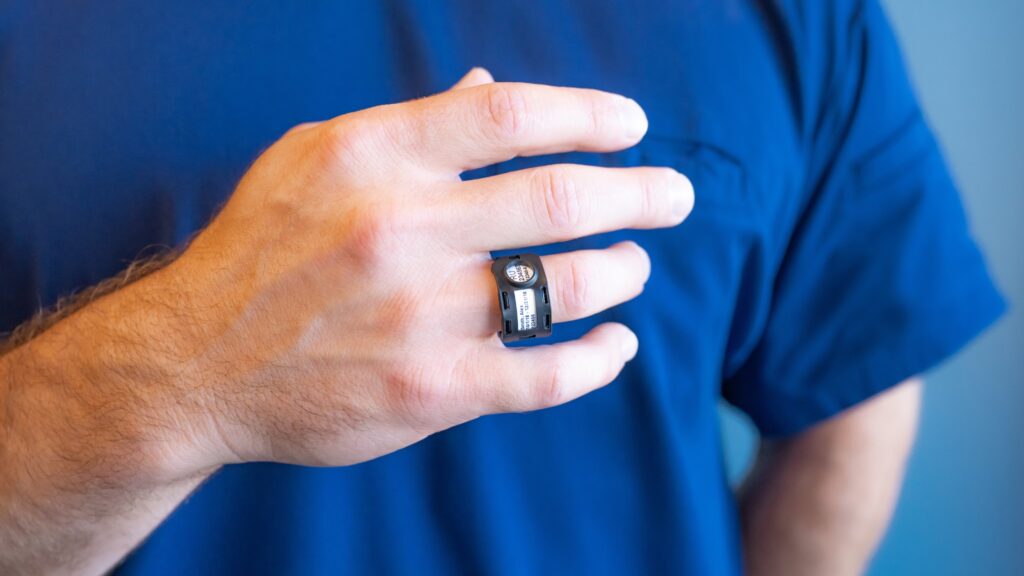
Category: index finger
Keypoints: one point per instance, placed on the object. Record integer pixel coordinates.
(465, 129)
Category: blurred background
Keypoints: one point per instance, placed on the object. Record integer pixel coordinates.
(962, 510)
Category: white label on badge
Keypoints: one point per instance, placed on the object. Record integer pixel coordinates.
(526, 309)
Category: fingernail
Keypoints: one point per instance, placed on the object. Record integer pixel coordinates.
(682, 197)
(630, 345)
(643, 255)
(634, 121)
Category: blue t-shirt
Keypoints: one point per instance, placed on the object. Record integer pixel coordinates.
(827, 258)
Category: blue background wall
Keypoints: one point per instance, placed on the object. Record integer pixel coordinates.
(962, 510)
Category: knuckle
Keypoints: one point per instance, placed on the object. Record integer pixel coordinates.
(654, 193)
(345, 141)
(561, 204)
(553, 388)
(600, 118)
(506, 111)
(418, 396)
(301, 127)
(574, 288)
(375, 233)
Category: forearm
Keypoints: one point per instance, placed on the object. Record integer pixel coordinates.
(89, 460)
(819, 503)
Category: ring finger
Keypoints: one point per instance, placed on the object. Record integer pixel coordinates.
(580, 284)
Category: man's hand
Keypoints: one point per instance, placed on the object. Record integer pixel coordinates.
(340, 307)
(345, 291)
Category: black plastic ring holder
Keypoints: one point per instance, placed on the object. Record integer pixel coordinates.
(522, 297)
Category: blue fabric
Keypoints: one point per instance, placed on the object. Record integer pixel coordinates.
(827, 258)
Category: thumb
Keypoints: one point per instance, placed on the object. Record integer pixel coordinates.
(475, 77)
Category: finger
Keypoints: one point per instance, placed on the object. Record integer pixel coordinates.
(585, 282)
(580, 284)
(491, 123)
(459, 130)
(475, 77)
(561, 202)
(523, 379)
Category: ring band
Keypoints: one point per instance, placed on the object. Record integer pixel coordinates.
(522, 297)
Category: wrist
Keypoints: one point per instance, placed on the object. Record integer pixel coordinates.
(98, 396)
(156, 367)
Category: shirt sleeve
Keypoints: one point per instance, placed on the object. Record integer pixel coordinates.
(880, 279)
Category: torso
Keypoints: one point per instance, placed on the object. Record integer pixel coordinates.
(125, 127)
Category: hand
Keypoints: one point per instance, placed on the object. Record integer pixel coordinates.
(342, 305)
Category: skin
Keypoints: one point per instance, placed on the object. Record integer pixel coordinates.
(294, 328)
(819, 503)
